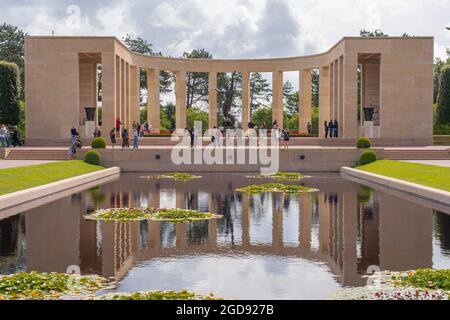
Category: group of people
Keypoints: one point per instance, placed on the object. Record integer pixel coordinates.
(216, 134)
(138, 131)
(9, 137)
(331, 129)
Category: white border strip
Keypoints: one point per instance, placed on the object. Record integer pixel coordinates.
(23, 196)
(401, 185)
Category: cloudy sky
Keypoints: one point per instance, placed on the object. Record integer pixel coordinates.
(234, 28)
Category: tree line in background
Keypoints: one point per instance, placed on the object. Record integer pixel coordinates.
(229, 86)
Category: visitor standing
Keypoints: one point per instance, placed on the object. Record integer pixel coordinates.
(240, 136)
(112, 136)
(336, 129)
(97, 133)
(192, 136)
(325, 126)
(73, 134)
(146, 128)
(3, 133)
(118, 123)
(15, 137)
(136, 138)
(309, 127)
(286, 137)
(331, 129)
(125, 139)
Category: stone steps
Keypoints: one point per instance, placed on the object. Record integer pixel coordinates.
(417, 154)
(35, 154)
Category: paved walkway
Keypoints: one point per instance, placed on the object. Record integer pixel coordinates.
(441, 163)
(4, 164)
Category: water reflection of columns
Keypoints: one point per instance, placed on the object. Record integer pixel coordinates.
(324, 224)
(153, 198)
(180, 228)
(305, 209)
(349, 206)
(154, 237)
(277, 220)
(212, 224)
(245, 220)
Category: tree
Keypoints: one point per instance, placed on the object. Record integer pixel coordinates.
(197, 82)
(260, 91)
(291, 98)
(443, 100)
(9, 93)
(167, 122)
(142, 46)
(315, 88)
(196, 114)
(437, 68)
(263, 117)
(12, 48)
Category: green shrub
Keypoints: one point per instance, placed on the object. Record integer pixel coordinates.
(92, 157)
(363, 143)
(368, 156)
(443, 99)
(9, 93)
(98, 143)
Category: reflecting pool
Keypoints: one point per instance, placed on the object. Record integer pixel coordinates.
(268, 246)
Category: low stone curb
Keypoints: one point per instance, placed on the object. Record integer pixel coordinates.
(400, 185)
(27, 195)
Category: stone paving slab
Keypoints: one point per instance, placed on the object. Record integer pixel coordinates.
(440, 163)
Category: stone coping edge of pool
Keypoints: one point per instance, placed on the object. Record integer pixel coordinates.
(19, 197)
(415, 189)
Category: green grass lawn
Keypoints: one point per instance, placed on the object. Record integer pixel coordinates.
(20, 178)
(427, 175)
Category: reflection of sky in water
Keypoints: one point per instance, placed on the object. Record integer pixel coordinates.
(291, 221)
(257, 277)
(168, 198)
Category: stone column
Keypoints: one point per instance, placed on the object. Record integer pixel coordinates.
(331, 76)
(304, 115)
(135, 94)
(245, 99)
(277, 98)
(350, 97)
(324, 99)
(245, 220)
(118, 86)
(109, 92)
(153, 102)
(122, 92)
(341, 97)
(127, 98)
(212, 99)
(336, 89)
(180, 92)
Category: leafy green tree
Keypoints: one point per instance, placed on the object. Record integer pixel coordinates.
(439, 63)
(9, 93)
(196, 82)
(167, 117)
(263, 116)
(260, 91)
(315, 87)
(443, 100)
(291, 98)
(196, 114)
(142, 46)
(12, 48)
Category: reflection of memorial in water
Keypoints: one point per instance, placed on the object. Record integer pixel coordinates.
(12, 251)
(340, 228)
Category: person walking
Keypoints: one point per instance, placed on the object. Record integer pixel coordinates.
(309, 127)
(112, 136)
(118, 124)
(3, 133)
(15, 137)
(325, 126)
(192, 136)
(286, 137)
(125, 139)
(136, 138)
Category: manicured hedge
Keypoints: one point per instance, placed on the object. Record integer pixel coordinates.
(98, 143)
(368, 156)
(363, 143)
(443, 99)
(92, 157)
(9, 93)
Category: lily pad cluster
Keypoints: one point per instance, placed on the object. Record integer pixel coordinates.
(179, 176)
(276, 187)
(291, 176)
(157, 214)
(47, 286)
(157, 295)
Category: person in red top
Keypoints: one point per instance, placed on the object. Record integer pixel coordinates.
(118, 123)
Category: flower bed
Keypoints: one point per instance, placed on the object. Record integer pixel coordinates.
(157, 214)
(275, 187)
(292, 176)
(47, 286)
(157, 295)
(179, 176)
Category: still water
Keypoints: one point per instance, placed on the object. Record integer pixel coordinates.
(268, 246)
